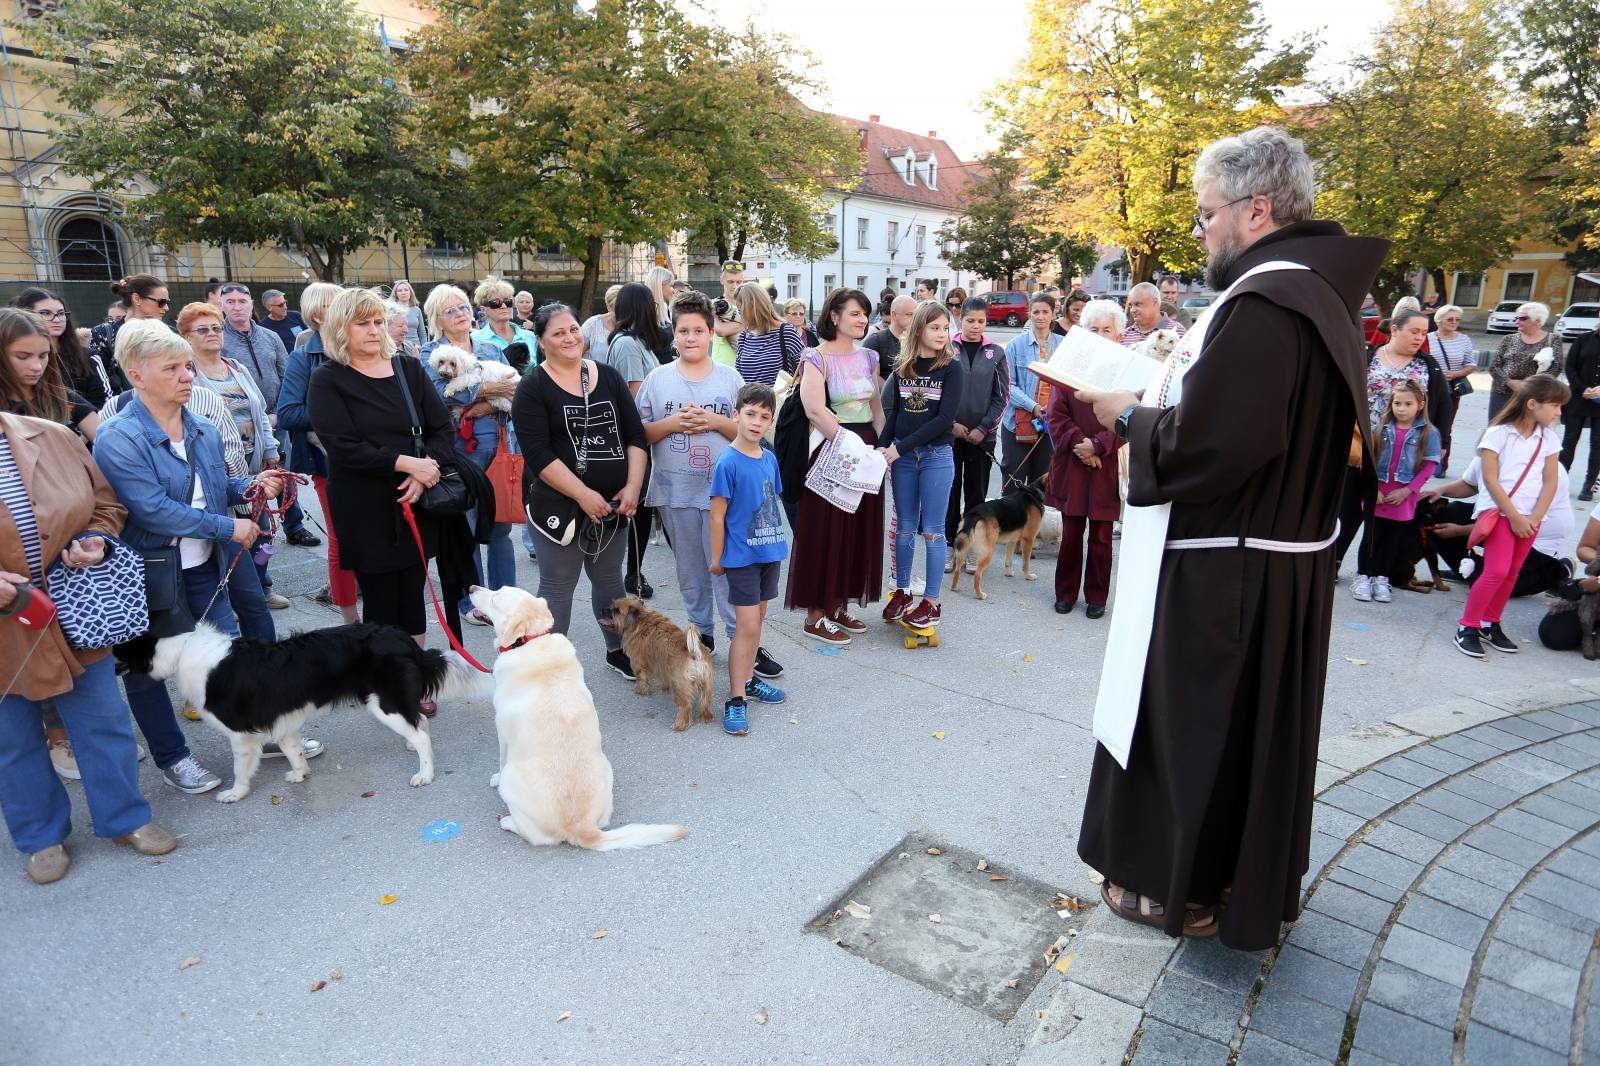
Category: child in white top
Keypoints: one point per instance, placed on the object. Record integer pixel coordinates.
(1519, 452)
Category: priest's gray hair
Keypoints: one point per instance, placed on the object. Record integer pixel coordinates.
(1096, 311)
(1265, 161)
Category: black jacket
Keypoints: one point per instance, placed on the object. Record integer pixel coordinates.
(1583, 372)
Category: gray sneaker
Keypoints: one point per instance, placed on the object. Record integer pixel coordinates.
(308, 747)
(187, 775)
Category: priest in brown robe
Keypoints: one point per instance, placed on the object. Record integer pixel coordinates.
(1199, 804)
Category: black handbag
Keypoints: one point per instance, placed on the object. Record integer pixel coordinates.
(1459, 387)
(164, 594)
(449, 495)
(554, 513)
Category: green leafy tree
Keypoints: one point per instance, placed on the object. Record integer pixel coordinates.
(1556, 55)
(1119, 99)
(1422, 146)
(773, 157)
(997, 237)
(249, 121)
(575, 125)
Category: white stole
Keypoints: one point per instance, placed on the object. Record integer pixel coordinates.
(1144, 539)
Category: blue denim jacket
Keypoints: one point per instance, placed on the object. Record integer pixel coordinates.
(486, 431)
(1020, 352)
(294, 417)
(1410, 461)
(152, 482)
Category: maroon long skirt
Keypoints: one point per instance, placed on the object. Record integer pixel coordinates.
(838, 557)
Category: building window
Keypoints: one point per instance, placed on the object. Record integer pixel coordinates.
(1468, 290)
(88, 250)
(894, 237)
(862, 227)
(922, 240)
(1584, 291)
(793, 287)
(830, 221)
(861, 282)
(1519, 285)
(827, 283)
(911, 167)
(933, 173)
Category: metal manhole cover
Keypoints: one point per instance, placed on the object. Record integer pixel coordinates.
(987, 946)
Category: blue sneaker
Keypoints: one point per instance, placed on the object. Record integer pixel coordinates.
(763, 692)
(734, 721)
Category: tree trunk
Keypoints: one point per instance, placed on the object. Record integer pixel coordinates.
(591, 274)
(1438, 284)
(739, 243)
(1141, 264)
(1009, 276)
(721, 235)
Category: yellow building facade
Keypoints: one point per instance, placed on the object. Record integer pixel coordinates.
(1536, 271)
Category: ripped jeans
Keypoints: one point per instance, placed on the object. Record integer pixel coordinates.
(921, 482)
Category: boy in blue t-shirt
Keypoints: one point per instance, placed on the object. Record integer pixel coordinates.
(748, 545)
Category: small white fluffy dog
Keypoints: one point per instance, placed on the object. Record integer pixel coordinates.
(1049, 530)
(462, 371)
(1159, 344)
(553, 776)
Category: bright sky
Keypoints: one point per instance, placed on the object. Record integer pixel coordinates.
(927, 66)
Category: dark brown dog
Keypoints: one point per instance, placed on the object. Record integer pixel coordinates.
(666, 655)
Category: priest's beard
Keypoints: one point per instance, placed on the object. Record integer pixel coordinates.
(1221, 261)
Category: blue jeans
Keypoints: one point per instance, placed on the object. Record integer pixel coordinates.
(37, 809)
(502, 558)
(921, 483)
(147, 697)
(247, 596)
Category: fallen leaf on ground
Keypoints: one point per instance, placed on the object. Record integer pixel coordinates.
(794, 721)
(761, 1016)
(336, 976)
(983, 864)
(157, 862)
(935, 851)
(858, 910)
(598, 934)
(694, 784)
(1355, 662)
(1064, 962)
(1038, 1015)
(935, 919)
(386, 899)
(192, 960)
(318, 986)
(1027, 658)
(368, 794)
(939, 735)
(276, 800)
(1097, 878)
(1011, 983)
(998, 877)
(564, 1016)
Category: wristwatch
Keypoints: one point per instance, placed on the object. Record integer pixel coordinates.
(1120, 426)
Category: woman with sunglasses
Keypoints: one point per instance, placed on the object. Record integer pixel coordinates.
(142, 296)
(450, 320)
(1518, 355)
(953, 301)
(81, 374)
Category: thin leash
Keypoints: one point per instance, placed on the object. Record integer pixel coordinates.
(1013, 479)
(261, 506)
(438, 609)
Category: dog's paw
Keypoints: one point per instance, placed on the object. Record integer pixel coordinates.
(419, 779)
(983, 595)
(680, 725)
(1030, 577)
(507, 824)
(294, 777)
(494, 780)
(232, 795)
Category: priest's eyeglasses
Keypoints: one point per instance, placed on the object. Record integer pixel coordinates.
(1202, 218)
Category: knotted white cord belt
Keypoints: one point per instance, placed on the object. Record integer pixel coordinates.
(1296, 547)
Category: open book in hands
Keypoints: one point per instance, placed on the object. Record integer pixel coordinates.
(1086, 360)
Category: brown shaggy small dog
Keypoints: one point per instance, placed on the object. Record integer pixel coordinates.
(666, 655)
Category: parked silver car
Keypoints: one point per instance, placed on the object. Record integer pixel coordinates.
(1577, 320)
(1503, 319)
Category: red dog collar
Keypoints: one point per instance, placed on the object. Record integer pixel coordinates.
(520, 641)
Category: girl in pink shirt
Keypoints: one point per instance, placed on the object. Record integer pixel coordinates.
(1408, 454)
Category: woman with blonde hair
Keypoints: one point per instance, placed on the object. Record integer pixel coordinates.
(498, 301)
(658, 280)
(794, 310)
(768, 343)
(359, 410)
(597, 329)
(403, 294)
(305, 449)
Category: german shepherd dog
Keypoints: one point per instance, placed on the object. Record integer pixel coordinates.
(1012, 520)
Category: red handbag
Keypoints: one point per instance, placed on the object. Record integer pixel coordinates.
(505, 474)
(1484, 524)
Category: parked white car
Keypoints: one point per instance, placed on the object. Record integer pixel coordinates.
(1576, 320)
(1503, 319)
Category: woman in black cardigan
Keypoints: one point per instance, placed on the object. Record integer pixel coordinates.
(359, 416)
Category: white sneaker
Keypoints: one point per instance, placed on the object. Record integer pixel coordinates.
(1381, 591)
(64, 761)
(1361, 588)
(918, 586)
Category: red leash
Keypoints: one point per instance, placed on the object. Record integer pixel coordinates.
(416, 535)
(260, 505)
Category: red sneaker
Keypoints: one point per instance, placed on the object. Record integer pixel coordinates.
(923, 615)
(898, 603)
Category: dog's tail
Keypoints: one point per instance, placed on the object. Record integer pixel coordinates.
(705, 676)
(639, 835)
(447, 675)
(969, 522)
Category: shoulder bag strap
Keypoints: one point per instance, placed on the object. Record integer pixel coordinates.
(1538, 450)
(411, 410)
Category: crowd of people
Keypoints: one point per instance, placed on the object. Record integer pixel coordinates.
(664, 410)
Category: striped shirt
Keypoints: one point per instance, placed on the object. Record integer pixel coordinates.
(762, 355)
(1135, 334)
(14, 498)
(1452, 354)
(203, 403)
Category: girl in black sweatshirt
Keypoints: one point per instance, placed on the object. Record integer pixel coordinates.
(919, 406)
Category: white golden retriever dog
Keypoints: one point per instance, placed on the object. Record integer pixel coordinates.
(463, 371)
(553, 776)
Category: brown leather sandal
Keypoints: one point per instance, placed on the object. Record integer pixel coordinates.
(1146, 911)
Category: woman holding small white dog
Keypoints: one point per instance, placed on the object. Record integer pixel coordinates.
(450, 319)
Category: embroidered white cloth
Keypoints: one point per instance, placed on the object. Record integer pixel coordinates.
(846, 468)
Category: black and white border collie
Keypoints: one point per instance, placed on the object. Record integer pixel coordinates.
(256, 691)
